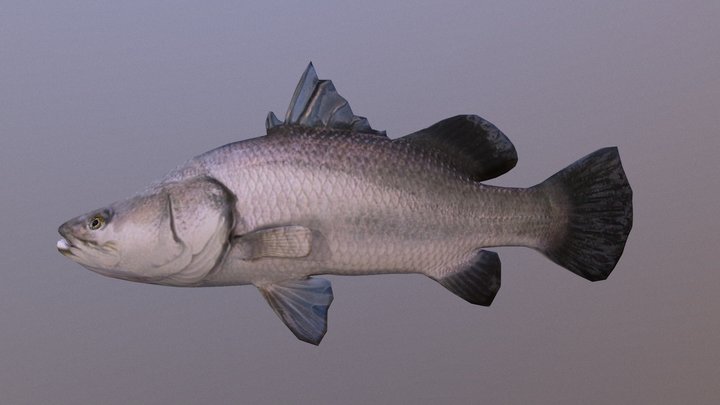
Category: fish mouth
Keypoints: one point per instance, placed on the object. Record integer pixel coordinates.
(64, 246)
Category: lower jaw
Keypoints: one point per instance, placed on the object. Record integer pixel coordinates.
(64, 246)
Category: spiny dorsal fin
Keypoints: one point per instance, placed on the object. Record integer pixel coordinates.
(471, 144)
(317, 104)
(272, 121)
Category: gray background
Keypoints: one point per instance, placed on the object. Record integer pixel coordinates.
(97, 99)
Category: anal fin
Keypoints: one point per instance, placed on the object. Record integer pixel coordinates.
(477, 281)
(302, 305)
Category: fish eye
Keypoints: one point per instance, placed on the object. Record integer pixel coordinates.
(96, 222)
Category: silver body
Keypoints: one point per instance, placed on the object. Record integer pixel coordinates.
(375, 206)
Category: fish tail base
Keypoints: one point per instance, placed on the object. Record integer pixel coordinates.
(599, 218)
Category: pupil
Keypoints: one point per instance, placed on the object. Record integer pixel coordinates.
(95, 223)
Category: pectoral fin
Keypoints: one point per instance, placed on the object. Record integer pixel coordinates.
(302, 305)
(284, 241)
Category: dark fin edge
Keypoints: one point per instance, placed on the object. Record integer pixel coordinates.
(469, 143)
(600, 214)
(477, 281)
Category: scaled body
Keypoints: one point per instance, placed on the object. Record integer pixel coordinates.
(376, 206)
(323, 193)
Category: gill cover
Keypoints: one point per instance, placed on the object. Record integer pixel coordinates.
(199, 221)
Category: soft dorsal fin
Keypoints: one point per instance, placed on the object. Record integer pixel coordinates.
(471, 144)
(316, 104)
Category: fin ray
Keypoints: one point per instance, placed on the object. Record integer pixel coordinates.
(599, 218)
(301, 96)
(283, 241)
(317, 104)
(272, 121)
(477, 281)
(302, 305)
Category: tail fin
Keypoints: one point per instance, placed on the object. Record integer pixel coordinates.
(600, 215)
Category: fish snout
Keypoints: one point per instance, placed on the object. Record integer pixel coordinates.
(74, 228)
(66, 231)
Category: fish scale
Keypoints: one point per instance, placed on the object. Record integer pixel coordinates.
(380, 205)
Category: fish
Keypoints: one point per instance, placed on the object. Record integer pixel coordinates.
(323, 193)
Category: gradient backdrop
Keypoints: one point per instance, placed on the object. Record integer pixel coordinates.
(97, 99)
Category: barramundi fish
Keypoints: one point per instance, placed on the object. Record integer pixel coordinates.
(324, 193)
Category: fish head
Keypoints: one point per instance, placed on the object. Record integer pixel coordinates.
(174, 234)
(125, 240)
(89, 239)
